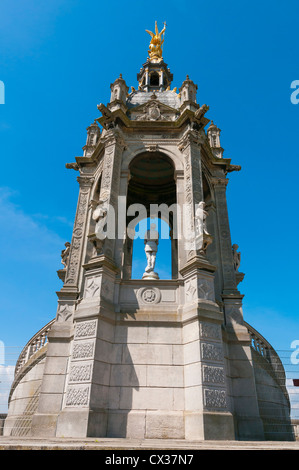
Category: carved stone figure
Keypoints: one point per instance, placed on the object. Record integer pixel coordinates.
(151, 241)
(236, 257)
(97, 238)
(99, 215)
(65, 254)
(202, 234)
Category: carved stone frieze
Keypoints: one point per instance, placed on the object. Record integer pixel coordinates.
(80, 372)
(76, 244)
(210, 330)
(86, 328)
(211, 352)
(215, 399)
(77, 396)
(83, 350)
(212, 374)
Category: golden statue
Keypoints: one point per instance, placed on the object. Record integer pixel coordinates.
(155, 47)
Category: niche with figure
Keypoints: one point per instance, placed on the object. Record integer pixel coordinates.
(151, 198)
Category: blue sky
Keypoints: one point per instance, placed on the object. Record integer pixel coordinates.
(57, 60)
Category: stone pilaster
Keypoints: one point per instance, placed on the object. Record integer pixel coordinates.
(193, 191)
(208, 411)
(225, 244)
(114, 146)
(79, 234)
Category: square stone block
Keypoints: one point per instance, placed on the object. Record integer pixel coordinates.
(193, 398)
(72, 423)
(165, 376)
(193, 375)
(131, 333)
(146, 398)
(165, 335)
(165, 425)
(128, 375)
(147, 354)
(192, 352)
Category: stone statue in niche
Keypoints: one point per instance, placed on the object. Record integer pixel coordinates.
(65, 254)
(203, 238)
(236, 257)
(99, 215)
(151, 241)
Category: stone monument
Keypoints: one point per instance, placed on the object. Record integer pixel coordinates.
(150, 357)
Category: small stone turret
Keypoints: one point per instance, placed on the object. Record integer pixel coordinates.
(93, 135)
(119, 91)
(213, 134)
(188, 94)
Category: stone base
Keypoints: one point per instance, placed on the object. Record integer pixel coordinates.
(150, 275)
(146, 424)
(209, 426)
(44, 425)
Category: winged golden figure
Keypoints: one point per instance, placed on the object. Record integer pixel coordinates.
(155, 47)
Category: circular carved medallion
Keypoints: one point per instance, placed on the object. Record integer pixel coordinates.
(149, 295)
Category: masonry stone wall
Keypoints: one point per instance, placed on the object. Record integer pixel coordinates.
(24, 400)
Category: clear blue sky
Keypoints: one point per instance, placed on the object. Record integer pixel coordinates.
(57, 60)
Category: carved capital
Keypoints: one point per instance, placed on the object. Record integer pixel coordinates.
(190, 137)
(85, 181)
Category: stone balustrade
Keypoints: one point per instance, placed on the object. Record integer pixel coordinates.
(266, 352)
(39, 340)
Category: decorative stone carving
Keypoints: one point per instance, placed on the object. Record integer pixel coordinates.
(77, 396)
(190, 289)
(75, 249)
(215, 399)
(149, 295)
(236, 257)
(213, 374)
(204, 239)
(206, 289)
(212, 352)
(153, 111)
(80, 373)
(92, 288)
(209, 330)
(64, 313)
(83, 350)
(65, 254)
(86, 328)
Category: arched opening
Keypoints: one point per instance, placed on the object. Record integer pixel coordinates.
(163, 264)
(151, 196)
(154, 79)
